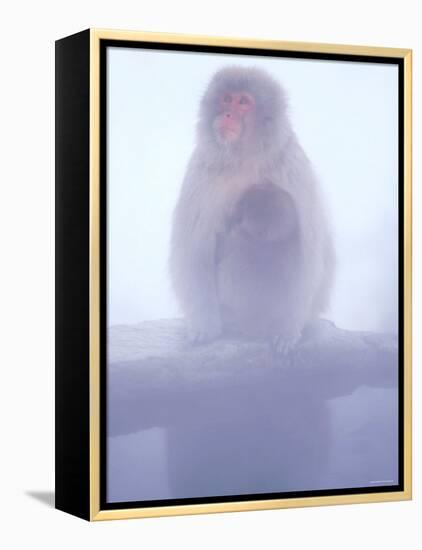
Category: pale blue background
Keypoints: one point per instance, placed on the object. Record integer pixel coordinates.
(345, 115)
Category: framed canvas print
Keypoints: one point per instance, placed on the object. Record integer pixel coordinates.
(233, 276)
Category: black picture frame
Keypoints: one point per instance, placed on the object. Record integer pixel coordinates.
(81, 276)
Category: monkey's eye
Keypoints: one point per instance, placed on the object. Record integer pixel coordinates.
(244, 100)
(227, 98)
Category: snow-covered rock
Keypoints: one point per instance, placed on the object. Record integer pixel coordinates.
(235, 419)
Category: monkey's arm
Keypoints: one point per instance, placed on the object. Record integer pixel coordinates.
(193, 272)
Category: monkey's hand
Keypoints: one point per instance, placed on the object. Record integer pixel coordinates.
(204, 329)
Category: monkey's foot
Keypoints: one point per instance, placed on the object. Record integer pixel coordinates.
(283, 345)
(204, 333)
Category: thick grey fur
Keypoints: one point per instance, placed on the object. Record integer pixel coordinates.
(264, 271)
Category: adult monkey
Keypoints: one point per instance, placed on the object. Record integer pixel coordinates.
(251, 250)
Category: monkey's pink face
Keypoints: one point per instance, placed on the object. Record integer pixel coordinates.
(234, 109)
